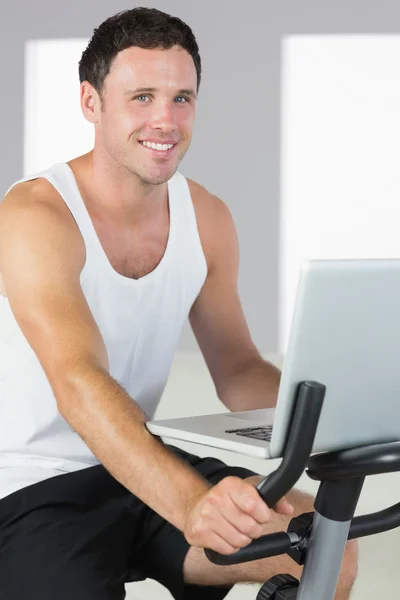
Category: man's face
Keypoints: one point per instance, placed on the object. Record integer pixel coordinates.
(149, 96)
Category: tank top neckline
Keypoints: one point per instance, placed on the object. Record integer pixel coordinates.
(145, 279)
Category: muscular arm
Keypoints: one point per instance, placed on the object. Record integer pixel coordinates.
(41, 256)
(242, 378)
(112, 425)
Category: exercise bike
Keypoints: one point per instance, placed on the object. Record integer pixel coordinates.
(317, 540)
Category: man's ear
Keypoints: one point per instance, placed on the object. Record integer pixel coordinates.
(90, 102)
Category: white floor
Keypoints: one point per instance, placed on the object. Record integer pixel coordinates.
(190, 391)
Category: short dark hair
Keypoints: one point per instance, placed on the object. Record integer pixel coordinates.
(147, 28)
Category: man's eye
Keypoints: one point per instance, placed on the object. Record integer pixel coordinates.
(144, 97)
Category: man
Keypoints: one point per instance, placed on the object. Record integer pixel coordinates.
(102, 259)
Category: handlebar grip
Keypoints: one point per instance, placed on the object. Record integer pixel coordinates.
(308, 405)
(267, 545)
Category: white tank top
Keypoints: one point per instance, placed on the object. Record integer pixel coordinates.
(140, 320)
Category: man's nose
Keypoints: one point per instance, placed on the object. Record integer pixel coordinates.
(164, 117)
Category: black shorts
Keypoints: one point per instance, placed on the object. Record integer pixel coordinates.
(83, 535)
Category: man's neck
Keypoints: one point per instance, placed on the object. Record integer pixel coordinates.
(115, 193)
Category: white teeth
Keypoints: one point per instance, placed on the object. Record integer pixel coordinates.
(157, 146)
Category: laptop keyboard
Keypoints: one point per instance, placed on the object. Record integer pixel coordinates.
(258, 433)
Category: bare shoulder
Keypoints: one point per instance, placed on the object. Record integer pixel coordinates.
(34, 211)
(38, 199)
(214, 220)
(206, 202)
(35, 192)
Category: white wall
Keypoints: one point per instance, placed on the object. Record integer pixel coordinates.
(340, 178)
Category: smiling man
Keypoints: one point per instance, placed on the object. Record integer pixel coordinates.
(102, 260)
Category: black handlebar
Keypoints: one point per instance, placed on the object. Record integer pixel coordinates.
(360, 462)
(299, 443)
(378, 522)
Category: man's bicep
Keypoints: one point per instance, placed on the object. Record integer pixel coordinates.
(40, 268)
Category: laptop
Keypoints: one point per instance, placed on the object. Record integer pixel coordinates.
(345, 334)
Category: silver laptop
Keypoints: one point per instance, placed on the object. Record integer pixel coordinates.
(345, 333)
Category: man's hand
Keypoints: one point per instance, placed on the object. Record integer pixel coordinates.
(229, 516)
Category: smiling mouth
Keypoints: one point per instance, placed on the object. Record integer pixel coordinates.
(159, 148)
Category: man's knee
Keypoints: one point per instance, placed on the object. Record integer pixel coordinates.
(349, 569)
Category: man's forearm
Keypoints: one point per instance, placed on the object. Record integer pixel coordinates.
(253, 385)
(112, 425)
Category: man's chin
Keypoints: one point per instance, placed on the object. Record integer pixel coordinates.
(155, 178)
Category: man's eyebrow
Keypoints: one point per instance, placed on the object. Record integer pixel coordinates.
(186, 92)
